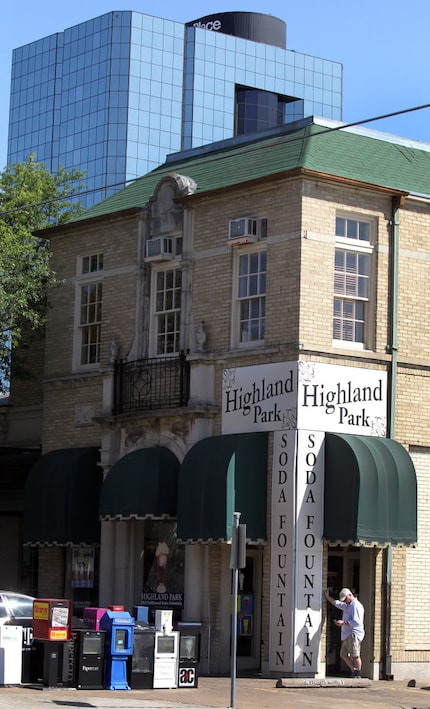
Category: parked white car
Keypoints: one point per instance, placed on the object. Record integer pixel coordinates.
(16, 608)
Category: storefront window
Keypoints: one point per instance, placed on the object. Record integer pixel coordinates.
(163, 567)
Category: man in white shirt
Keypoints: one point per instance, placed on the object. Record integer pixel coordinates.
(352, 628)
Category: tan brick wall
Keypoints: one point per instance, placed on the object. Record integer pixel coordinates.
(213, 271)
(117, 240)
(62, 398)
(22, 422)
(378, 609)
(51, 572)
(414, 299)
(65, 390)
(417, 562)
(398, 598)
(27, 371)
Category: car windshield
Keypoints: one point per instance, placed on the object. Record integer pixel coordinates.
(20, 607)
(3, 611)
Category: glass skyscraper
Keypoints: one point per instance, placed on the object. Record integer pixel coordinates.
(114, 95)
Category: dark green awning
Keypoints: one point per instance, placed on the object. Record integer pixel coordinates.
(15, 466)
(61, 498)
(219, 476)
(143, 484)
(370, 494)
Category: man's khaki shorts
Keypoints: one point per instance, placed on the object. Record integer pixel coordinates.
(351, 646)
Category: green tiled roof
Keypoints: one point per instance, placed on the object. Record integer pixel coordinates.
(384, 161)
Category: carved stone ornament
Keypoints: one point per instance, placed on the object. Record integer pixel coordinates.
(113, 351)
(84, 414)
(165, 214)
(200, 337)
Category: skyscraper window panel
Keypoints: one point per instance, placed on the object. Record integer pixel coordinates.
(299, 76)
(197, 133)
(136, 24)
(157, 57)
(208, 101)
(177, 84)
(146, 38)
(241, 61)
(157, 46)
(309, 93)
(309, 63)
(318, 96)
(309, 78)
(337, 87)
(308, 105)
(154, 113)
(157, 25)
(165, 139)
(144, 92)
(166, 95)
(153, 153)
(269, 69)
(299, 60)
(337, 102)
(208, 133)
(327, 83)
(198, 98)
(318, 80)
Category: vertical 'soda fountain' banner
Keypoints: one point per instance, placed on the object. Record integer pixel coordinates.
(309, 550)
(297, 551)
(282, 561)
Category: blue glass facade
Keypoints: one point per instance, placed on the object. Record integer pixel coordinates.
(114, 95)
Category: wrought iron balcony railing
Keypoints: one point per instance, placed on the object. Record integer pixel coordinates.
(154, 383)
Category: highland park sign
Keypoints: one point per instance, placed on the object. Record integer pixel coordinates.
(304, 395)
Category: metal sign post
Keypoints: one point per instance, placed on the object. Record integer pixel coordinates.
(237, 561)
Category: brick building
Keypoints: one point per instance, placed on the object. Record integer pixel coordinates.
(245, 329)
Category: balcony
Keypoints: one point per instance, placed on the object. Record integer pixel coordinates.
(154, 383)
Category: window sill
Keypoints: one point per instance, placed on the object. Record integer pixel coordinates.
(344, 345)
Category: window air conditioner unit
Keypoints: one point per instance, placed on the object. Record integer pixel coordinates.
(242, 231)
(159, 249)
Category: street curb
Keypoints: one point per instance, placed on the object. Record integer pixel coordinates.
(292, 683)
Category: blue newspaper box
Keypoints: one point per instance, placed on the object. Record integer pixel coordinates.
(119, 627)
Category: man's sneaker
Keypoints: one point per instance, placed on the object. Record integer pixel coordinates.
(357, 674)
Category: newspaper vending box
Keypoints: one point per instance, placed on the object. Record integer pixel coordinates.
(141, 668)
(51, 624)
(166, 658)
(10, 654)
(119, 627)
(189, 654)
(51, 619)
(89, 659)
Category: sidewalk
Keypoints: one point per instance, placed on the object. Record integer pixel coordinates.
(215, 693)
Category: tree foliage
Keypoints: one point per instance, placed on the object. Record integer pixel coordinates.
(31, 199)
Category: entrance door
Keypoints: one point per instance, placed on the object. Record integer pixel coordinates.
(249, 614)
(351, 567)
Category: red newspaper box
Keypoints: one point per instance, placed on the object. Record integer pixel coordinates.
(52, 618)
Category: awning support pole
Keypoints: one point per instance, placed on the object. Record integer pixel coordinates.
(235, 567)
(397, 202)
(237, 561)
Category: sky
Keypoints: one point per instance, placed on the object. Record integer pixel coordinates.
(382, 45)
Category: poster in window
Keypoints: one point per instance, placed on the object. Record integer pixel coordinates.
(83, 567)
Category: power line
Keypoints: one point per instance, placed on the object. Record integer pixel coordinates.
(370, 120)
